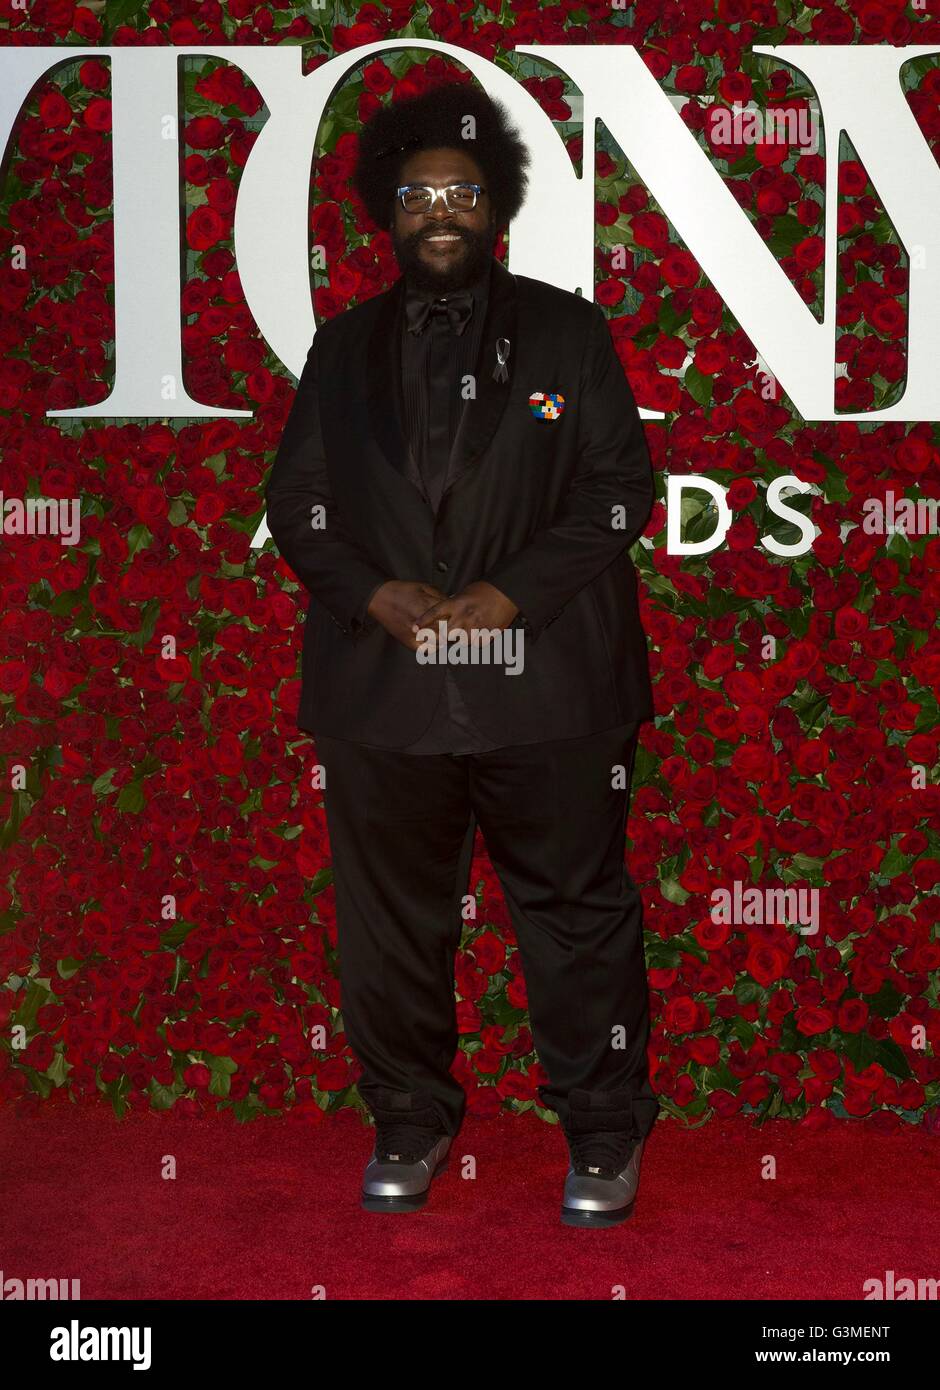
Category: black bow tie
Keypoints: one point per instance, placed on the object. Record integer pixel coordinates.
(458, 307)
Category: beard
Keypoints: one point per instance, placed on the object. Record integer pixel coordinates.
(456, 275)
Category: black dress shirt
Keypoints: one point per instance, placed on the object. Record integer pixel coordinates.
(451, 730)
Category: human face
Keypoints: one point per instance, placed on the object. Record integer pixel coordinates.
(443, 250)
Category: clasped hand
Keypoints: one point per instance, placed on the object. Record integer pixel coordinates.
(405, 607)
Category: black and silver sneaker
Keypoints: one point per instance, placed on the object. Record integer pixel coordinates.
(410, 1151)
(604, 1172)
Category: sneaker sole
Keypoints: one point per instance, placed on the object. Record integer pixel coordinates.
(411, 1202)
(600, 1220)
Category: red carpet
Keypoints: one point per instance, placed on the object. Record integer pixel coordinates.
(270, 1209)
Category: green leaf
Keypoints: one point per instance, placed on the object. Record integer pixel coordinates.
(138, 538)
(321, 879)
(688, 944)
(719, 1078)
(63, 603)
(501, 1012)
(226, 1064)
(36, 996)
(247, 1109)
(883, 231)
(248, 524)
(645, 337)
(670, 320)
(747, 164)
(893, 1059)
(644, 764)
(678, 1112)
(788, 232)
(59, 1069)
(662, 955)
(116, 1092)
(673, 891)
(131, 798)
(745, 1032)
(40, 1081)
(698, 385)
(102, 785)
(220, 1084)
(11, 825)
(148, 622)
(802, 866)
(836, 488)
(163, 1097)
(861, 1050)
(747, 991)
(176, 933)
(895, 862)
(118, 12)
(887, 1003)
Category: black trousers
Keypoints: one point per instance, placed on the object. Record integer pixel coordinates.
(402, 828)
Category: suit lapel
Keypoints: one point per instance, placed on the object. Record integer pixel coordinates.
(481, 415)
(385, 399)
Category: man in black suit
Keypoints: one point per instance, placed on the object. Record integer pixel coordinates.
(459, 480)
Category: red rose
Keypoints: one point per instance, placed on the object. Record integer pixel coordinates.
(852, 1016)
(766, 963)
(378, 78)
(650, 229)
(682, 1015)
(489, 952)
(204, 228)
(850, 623)
(809, 252)
(705, 1051)
(811, 1021)
(690, 78)
(736, 87)
(889, 318)
(754, 1090)
(679, 268)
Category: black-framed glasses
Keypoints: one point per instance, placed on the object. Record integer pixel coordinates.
(421, 197)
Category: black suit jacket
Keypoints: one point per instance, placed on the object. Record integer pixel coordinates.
(530, 505)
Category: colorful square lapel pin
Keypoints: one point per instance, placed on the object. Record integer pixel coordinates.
(546, 405)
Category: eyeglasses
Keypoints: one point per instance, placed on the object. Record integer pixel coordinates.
(458, 197)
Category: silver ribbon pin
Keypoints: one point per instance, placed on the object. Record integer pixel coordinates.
(502, 357)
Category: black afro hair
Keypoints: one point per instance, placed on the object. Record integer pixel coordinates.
(435, 120)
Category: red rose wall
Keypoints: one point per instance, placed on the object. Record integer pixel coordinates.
(167, 921)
